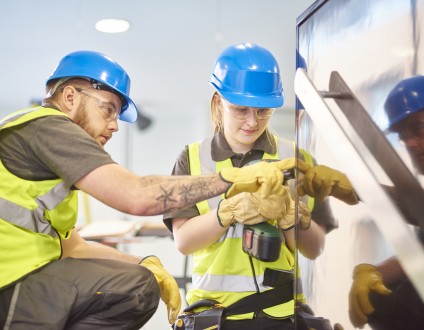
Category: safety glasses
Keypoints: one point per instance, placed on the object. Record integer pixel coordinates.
(244, 113)
(110, 113)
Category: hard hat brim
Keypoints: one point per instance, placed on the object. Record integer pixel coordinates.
(129, 115)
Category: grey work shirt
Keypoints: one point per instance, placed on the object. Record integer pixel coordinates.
(51, 147)
(221, 150)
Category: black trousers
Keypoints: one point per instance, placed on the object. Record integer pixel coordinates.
(81, 294)
(403, 309)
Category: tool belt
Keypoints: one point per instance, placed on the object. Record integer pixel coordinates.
(214, 317)
(282, 281)
(306, 320)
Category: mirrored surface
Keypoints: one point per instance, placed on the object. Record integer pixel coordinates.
(353, 53)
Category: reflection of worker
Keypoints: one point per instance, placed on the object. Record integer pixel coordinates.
(382, 295)
(248, 88)
(50, 278)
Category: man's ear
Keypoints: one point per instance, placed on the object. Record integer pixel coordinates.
(70, 99)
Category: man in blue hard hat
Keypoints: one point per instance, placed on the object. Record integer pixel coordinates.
(51, 278)
(382, 295)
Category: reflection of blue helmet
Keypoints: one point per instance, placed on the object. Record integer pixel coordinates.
(103, 69)
(248, 75)
(404, 99)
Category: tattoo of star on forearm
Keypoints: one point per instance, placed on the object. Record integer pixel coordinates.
(187, 194)
(201, 188)
(166, 198)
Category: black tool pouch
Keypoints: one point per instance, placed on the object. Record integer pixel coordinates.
(211, 318)
(305, 319)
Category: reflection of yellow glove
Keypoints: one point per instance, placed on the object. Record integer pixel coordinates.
(338, 326)
(169, 291)
(304, 216)
(366, 278)
(321, 181)
(250, 208)
(263, 177)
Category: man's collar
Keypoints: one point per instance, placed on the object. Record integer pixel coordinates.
(50, 106)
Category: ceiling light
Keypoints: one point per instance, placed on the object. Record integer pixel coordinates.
(112, 25)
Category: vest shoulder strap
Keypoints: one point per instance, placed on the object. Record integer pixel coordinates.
(25, 115)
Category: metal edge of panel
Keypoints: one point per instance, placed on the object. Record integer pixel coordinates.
(357, 168)
(309, 11)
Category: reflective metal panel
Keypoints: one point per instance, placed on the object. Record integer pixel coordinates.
(364, 48)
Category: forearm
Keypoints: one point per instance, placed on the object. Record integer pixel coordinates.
(167, 193)
(391, 270)
(310, 242)
(77, 247)
(191, 235)
(101, 251)
(149, 195)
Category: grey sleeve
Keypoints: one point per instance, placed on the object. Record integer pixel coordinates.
(51, 147)
(323, 215)
(181, 167)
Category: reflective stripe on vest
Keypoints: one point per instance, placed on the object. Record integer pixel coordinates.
(32, 213)
(209, 280)
(33, 220)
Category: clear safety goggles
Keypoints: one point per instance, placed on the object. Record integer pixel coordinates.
(110, 113)
(243, 113)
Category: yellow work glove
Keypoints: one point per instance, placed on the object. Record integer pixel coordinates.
(286, 164)
(321, 181)
(263, 177)
(169, 291)
(288, 220)
(366, 279)
(250, 208)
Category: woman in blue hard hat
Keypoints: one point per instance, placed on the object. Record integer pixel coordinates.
(248, 87)
(382, 295)
(51, 278)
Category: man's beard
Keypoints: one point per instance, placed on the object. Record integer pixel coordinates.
(81, 119)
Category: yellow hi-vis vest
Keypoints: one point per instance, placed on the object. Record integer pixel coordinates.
(222, 271)
(32, 213)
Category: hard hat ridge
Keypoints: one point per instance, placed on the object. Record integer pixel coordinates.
(248, 74)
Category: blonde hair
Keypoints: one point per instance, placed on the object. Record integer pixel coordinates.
(216, 113)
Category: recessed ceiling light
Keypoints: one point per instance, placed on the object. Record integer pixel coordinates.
(112, 25)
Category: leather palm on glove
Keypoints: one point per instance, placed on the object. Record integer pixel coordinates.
(264, 178)
(250, 208)
(304, 216)
(366, 279)
(321, 181)
(169, 291)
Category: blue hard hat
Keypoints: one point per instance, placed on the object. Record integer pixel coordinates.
(248, 75)
(101, 69)
(405, 98)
